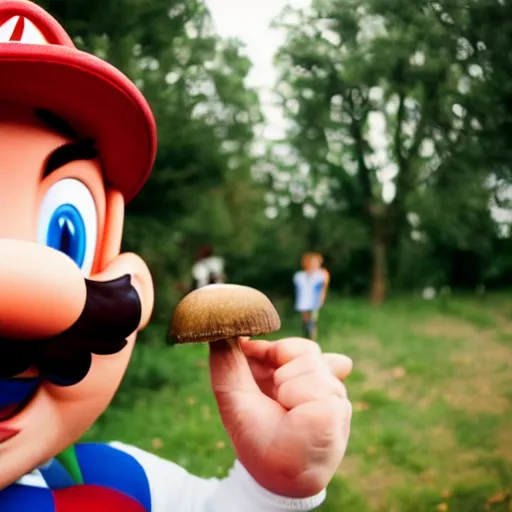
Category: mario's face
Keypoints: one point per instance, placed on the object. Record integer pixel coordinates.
(70, 305)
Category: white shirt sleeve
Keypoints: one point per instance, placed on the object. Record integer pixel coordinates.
(215, 265)
(200, 273)
(173, 488)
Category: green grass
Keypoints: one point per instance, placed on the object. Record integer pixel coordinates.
(432, 395)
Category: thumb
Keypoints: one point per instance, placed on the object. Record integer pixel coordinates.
(243, 407)
(229, 369)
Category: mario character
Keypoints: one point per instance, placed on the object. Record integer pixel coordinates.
(77, 142)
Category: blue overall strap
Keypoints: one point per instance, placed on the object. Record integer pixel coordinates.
(24, 498)
(56, 476)
(105, 465)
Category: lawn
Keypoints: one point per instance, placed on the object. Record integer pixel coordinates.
(432, 396)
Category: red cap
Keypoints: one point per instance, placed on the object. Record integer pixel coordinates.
(40, 67)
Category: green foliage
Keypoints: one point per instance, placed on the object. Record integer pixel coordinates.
(478, 31)
(347, 66)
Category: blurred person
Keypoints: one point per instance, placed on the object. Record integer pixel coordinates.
(311, 286)
(207, 269)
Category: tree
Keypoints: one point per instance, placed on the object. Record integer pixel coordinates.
(372, 93)
(478, 33)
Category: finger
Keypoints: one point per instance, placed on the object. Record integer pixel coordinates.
(229, 369)
(326, 423)
(328, 414)
(302, 365)
(308, 388)
(263, 375)
(278, 353)
(260, 370)
(339, 364)
(257, 349)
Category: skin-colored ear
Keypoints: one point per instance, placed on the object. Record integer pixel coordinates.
(112, 231)
(111, 265)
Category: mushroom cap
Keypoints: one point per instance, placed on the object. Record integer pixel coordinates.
(221, 311)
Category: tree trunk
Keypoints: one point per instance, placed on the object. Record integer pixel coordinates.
(379, 282)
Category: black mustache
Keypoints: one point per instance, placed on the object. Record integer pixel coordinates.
(111, 313)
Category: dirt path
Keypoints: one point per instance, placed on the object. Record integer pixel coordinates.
(479, 389)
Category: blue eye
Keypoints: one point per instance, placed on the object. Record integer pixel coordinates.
(66, 233)
(68, 222)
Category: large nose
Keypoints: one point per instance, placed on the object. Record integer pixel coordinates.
(42, 291)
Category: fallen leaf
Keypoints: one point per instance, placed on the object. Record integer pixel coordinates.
(398, 372)
(442, 507)
(157, 443)
(447, 494)
(499, 497)
(191, 400)
(428, 475)
(361, 406)
(221, 444)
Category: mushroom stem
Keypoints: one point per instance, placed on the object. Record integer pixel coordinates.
(234, 344)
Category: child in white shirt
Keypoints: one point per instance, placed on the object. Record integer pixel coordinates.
(311, 285)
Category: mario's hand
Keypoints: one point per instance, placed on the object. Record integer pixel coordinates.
(286, 410)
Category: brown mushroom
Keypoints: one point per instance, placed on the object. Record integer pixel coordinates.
(223, 312)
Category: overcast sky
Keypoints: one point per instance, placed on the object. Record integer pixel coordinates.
(249, 21)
